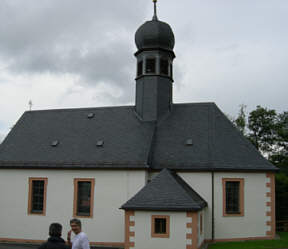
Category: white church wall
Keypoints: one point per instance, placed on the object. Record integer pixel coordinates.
(253, 223)
(201, 183)
(112, 189)
(178, 231)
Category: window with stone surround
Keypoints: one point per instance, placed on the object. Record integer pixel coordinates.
(160, 226)
(83, 198)
(37, 196)
(233, 196)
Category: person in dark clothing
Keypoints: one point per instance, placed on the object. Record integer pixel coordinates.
(55, 241)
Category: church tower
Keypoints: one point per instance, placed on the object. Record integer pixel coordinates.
(154, 81)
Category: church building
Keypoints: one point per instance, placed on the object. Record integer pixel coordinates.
(155, 175)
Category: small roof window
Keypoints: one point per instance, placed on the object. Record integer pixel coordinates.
(100, 143)
(189, 142)
(90, 115)
(55, 143)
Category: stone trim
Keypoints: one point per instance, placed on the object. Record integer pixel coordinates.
(128, 225)
(24, 241)
(108, 244)
(201, 223)
(270, 195)
(238, 239)
(193, 236)
(31, 241)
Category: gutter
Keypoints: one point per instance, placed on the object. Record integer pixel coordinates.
(213, 207)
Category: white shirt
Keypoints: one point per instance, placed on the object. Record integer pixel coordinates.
(80, 241)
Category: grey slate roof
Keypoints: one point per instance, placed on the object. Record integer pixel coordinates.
(217, 144)
(126, 139)
(130, 142)
(167, 191)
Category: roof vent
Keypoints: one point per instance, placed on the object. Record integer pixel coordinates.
(189, 142)
(100, 143)
(55, 143)
(90, 115)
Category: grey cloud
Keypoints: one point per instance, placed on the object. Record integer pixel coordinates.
(216, 42)
(114, 66)
(92, 40)
(31, 23)
(235, 51)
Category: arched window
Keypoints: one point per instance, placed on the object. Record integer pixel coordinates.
(150, 65)
(164, 65)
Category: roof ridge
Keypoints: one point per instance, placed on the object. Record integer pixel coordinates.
(151, 147)
(211, 134)
(79, 109)
(196, 103)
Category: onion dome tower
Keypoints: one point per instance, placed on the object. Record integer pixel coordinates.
(155, 42)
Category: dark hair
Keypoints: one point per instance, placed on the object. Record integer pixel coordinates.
(55, 230)
(76, 221)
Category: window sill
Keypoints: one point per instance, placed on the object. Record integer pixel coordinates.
(83, 216)
(233, 215)
(156, 235)
(37, 214)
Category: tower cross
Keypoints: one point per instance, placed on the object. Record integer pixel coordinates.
(30, 105)
(155, 10)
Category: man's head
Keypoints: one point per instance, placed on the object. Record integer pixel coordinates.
(55, 230)
(75, 225)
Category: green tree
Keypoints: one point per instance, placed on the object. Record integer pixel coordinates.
(240, 121)
(282, 131)
(262, 125)
(268, 131)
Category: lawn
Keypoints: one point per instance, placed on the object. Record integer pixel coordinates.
(256, 244)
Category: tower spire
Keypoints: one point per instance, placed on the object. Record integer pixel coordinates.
(154, 78)
(155, 18)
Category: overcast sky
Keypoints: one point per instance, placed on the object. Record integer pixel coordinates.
(75, 53)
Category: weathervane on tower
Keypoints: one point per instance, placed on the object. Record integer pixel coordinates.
(155, 18)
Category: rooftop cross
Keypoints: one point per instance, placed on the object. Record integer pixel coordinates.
(30, 105)
(155, 18)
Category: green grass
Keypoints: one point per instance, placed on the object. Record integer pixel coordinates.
(256, 244)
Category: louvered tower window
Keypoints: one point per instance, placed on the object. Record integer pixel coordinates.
(150, 65)
(164, 65)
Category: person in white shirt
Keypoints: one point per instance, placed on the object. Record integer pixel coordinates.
(80, 240)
